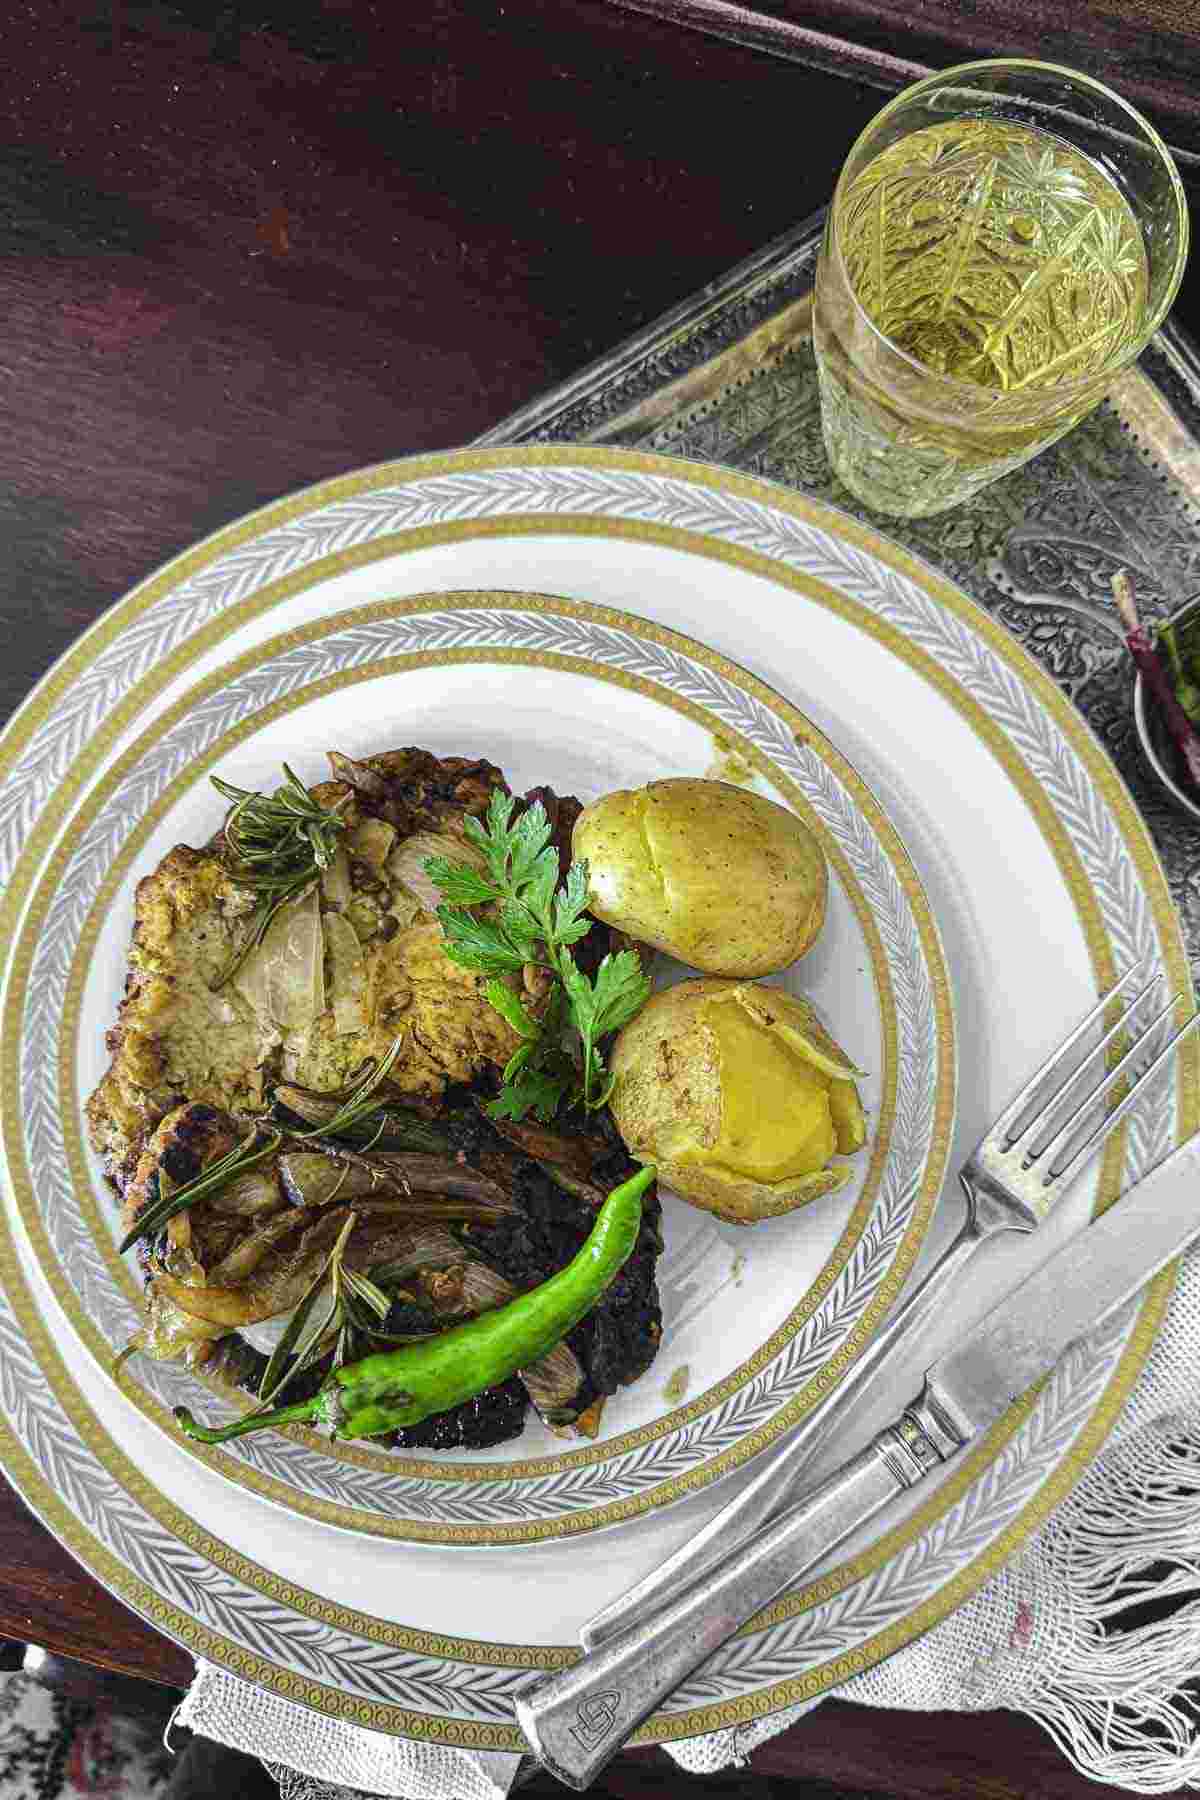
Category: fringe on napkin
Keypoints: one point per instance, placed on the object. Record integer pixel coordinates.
(314, 1757)
(1094, 1630)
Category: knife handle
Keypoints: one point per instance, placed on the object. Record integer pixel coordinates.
(577, 1720)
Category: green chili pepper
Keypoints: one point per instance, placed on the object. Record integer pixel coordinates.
(401, 1387)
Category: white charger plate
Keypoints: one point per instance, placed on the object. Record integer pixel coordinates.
(1042, 876)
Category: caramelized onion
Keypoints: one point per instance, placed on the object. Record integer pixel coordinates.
(407, 863)
(245, 1256)
(275, 1286)
(335, 881)
(347, 976)
(310, 1179)
(283, 978)
(246, 1196)
(412, 1171)
(357, 775)
(371, 843)
(574, 1154)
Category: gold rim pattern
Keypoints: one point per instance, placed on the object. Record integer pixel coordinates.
(661, 1427)
(1108, 786)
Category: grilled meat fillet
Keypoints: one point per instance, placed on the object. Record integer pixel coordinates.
(181, 1036)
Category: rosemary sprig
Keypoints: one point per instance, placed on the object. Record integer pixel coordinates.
(278, 845)
(357, 1106)
(365, 1290)
(296, 1340)
(235, 1162)
(353, 1306)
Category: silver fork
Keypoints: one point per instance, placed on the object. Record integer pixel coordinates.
(1011, 1181)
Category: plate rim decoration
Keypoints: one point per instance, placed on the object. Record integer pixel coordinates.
(272, 1639)
(656, 1463)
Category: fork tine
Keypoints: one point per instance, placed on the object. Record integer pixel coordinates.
(1111, 1120)
(1045, 1114)
(1017, 1107)
(1108, 1081)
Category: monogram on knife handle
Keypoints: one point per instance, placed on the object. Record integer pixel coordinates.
(575, 1721)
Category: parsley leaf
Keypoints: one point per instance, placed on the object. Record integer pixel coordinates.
(540, 883)
(495, 838)
(521, 928)
(479, 944)
(537, 1090)
(536, 921)
(530, 838)
(570, 905)
(509, 1007)
(619, 991)
(458, 883)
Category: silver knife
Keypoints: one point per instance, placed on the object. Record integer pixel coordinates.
(577, 1720)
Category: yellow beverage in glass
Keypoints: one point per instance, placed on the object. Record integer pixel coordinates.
(985, 275)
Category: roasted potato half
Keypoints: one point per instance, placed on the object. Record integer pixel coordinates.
(715, 875)
(740, 1096)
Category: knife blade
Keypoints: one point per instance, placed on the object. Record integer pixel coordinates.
(577, 1720)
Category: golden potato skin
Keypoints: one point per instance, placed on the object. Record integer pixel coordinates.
(749, 1140)
(715, 875)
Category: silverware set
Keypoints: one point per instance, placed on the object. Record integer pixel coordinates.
(646, 1643)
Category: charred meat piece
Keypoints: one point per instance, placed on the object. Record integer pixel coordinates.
(492, 1417)
(422, 789)
(223, 1267)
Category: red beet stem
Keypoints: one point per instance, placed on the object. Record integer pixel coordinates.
(1156, 677)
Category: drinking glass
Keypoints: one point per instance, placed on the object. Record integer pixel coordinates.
(1003, 240)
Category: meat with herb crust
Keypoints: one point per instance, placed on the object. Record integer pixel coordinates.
(180, 1036)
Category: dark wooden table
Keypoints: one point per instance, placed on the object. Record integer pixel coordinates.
(246, 244)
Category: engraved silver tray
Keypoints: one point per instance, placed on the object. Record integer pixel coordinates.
(728, 377)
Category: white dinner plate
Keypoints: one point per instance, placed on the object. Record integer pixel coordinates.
(619, 616)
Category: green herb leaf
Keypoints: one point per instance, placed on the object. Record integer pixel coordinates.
(570, 905)
(538, 889)
(530, 838)
(459, 883)
(524, 1054)
(538, 922)
(495, 838)
(533, 1090)
(620, 990)
(365, 1290)
(522, 928)
(479, 943)
(603, 1094)
(277, 845)
(509, 1007)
